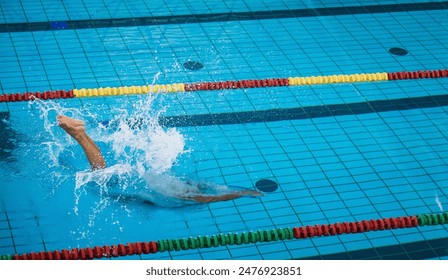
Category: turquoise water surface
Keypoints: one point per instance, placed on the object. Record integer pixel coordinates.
(389, 161)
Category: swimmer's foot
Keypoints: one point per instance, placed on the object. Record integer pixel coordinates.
(252, 193)
(73, 127)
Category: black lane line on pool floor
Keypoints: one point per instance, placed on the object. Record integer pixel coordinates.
(219, 17)
(308, 112)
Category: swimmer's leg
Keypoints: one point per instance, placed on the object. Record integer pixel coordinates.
(223, 197)
(76, 129)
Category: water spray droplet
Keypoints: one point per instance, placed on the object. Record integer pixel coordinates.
(439, 203)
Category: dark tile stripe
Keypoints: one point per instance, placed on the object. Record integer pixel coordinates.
(306, 112)
(420, 250)
(220, 17)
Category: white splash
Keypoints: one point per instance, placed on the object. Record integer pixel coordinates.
(439, 203)
(58, 142)
(138, 145)
(135, 144)
(140, 140)
(101, 181)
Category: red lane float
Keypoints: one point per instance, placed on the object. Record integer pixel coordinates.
(405, 75)
(236, 84)
(355, 227)
(96, 252)
(15, 97)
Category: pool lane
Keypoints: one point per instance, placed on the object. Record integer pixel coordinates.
(219, 17)
(308, 112)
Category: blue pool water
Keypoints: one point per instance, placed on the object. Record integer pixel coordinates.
(360, 164)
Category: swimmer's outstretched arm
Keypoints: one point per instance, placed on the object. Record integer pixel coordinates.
(76, 129)
(223, 197)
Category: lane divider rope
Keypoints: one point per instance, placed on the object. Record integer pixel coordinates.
(226, 85)
(57, 94)
(271, 235)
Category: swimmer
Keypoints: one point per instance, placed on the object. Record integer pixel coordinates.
(76, 129)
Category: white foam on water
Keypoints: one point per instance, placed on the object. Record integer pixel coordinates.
(439, 203)
(140, 140)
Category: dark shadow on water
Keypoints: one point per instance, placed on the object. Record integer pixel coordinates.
(8, 138)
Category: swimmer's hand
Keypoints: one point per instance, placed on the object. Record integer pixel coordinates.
(73, 127)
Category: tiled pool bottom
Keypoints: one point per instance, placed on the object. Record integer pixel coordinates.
(301, 208)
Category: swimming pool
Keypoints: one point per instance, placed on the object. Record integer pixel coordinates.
(341, 147)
